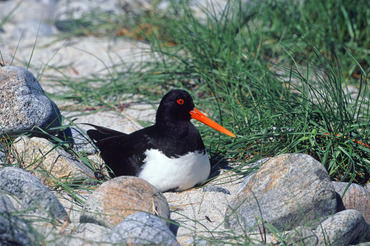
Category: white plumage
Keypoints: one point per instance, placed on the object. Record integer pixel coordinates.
(166, 173)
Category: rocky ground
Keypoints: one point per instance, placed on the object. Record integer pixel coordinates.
(194, 216)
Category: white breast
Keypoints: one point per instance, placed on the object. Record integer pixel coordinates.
(175, 173)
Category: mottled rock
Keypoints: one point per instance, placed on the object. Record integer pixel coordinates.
(47, 162)
(287, 191)
(117, 198)
(141, 229)
(301, 236)
(14, 231)
(34, 197)
(23, 103)
(5, 203)
(343, 228)
(367, 187)
(248, 175)
(355, 197)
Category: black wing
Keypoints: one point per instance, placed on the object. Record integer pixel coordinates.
(102, 132)
(123, 153)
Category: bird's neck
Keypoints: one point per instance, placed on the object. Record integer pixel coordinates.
(177, 129)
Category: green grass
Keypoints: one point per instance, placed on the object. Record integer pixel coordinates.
(275, 74)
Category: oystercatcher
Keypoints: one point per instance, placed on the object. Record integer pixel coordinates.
(170, 155)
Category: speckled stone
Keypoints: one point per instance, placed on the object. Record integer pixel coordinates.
(343, 228)
(23, 102)
(287, 191)
(5, 202)
(47, 162)
(34, 197)
(356, 197)
(142, 229)
(117, 198)
(14, 231)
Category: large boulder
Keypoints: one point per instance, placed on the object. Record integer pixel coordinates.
(23, 103)
(355, 197)
(141, 229)
(343, 228)
(117, 198)
(35, 199)
(47, 162)
(287, 191)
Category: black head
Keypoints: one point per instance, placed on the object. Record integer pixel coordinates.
(175, 107)
(175, 111)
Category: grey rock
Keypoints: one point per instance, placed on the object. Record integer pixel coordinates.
(214, 188)
(287, 191)
(23, 103)
(248, 175)
(34, 197)
(14, 231)
(50, 161)
(142, 228)
(5, 203)
(301, 236)
(355, 197)
(119, 197)
(343, 228)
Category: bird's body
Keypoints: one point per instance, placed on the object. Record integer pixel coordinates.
(180, 173)
(170, 154)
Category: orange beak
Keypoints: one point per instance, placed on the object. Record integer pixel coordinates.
(197, 115)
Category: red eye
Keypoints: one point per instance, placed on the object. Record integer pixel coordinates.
(180, 101)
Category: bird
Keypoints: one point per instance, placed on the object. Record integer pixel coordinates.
(170, 154)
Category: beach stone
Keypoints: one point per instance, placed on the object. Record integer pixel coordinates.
(23, 103)
(343, 228)
(47, 162)
(356, 197)
(34, 197)
(119, 197)
(14, 231)
(301, 235)
(5, 203)
(249, 174)
(141, 229)
(287, 191)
